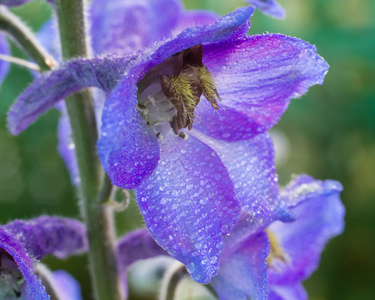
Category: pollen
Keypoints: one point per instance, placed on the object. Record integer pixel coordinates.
(208, 85)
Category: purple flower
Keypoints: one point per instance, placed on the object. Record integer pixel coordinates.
(22, 243)
(269, 7)
(191, 184)
(287, 253)
(272, 263)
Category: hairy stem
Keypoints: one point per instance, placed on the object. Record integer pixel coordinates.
(98, 217)
(15, 29)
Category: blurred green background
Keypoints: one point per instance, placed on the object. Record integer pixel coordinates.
(328, 133)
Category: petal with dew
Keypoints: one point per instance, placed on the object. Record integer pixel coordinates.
(250, 164)
(256, 77)
(189, 204)
(128, 150)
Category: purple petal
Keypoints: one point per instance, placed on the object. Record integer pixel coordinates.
(66, 147)
(269, 7)
(288, 292)
(68, 287)
(10, 244)
(256, 77)
(4, 65)
(319, 217)
(13, 2)
(188, 204)
(49, 235)
(304, 187)
(195, 18)
(128, 150)
(123, 27)
(53, 86)
(135, 245)
(251, 167)
(243, 273)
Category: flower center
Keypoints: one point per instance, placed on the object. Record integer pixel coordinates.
(11, 278)
(170, 91)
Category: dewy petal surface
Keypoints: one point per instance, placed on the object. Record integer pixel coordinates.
(256, 77)
(123, 27)
(250, 164)
(189, 204)
(319, 217)
(49, 235)
(128, 150)
(243, 273)
(10, 244)
(51, 87)
(269, 7)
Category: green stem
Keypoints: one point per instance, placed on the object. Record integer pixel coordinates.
(22, 35)
(98, 217)
(171, 280)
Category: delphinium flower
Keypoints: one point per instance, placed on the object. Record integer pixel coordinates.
(268, 260)
(24, 243)
(269, 7)
(184, 125)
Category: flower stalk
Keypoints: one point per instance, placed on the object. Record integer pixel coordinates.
(98, 217)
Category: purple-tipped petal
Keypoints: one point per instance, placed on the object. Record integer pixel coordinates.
(49, 235)
(15, 249)
(269, 7)
(4, 65)
(189, 204)
(53, 86)
(319, 217)
(251, 167)
(243, 273)
(68, 287)
(123, 27)
(288, 292)
(256, 77)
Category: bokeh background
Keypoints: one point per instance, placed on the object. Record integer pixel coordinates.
(328, 133)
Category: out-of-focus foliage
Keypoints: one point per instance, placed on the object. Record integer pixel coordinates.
(328, 134)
